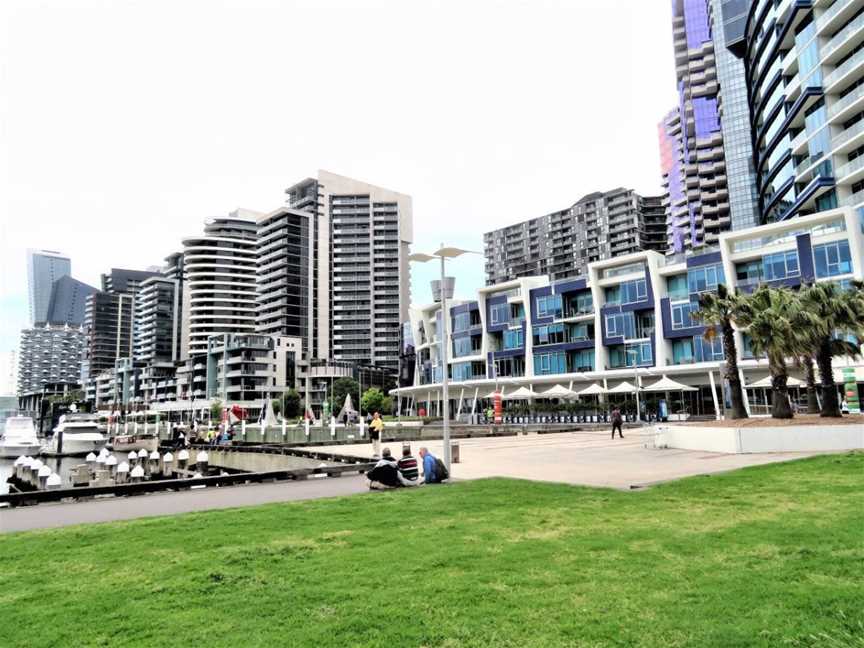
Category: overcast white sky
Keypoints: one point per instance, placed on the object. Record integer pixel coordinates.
(126, 123)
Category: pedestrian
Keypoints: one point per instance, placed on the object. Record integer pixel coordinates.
(376, 427)
(617, 422)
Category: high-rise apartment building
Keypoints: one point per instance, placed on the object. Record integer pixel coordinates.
(804, 71)
(219, 280)
(601, 225)
(157, 321)
(703, 143)
(68, 300)
(285, 271)
(44, 267)
(109, 329)
(49, 354)
(361, 283)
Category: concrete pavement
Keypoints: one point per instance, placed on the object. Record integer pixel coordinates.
(589, 458)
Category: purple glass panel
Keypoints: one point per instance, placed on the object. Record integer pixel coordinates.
(696, 22)
(705, 115)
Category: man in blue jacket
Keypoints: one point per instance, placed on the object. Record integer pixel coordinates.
(430, 469)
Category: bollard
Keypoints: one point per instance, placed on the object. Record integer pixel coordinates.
(454, 452)
(182, 458)
(284, 431)
(53, 482)
(333, 426)
(243, 428)
(26, 468)
(306, 425)
(167, 464)
(111, 465)
(154, 462)
(133, 458)
(142, 459)
(362, 429)
(44, 474)
(202, 461)
(122, 472)
(34, 472)
(91, 461)
(17, 466)
(136, 474)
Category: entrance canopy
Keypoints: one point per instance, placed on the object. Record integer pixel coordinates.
(624, 388)
(592, 390)
(765, 383)
(522, 393)
(558, 391)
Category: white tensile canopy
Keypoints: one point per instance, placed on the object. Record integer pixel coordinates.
(522, 393)
(624, 388)
(591, 390)
(347, 408)
(558, 391)
(667, 385)
(493, 392)
(765, 383)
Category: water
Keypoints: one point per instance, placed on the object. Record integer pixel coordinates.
(61, 465)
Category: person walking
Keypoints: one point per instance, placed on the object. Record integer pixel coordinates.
(617, 422)
(376, 426)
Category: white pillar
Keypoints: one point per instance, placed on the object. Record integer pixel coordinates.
(461, 397)
(714, 394)
(243, 428)
(306, 424)
(284, 431)
(332, 426)
(145, 426)
(135, 427)
(362, 427)
(744, 390)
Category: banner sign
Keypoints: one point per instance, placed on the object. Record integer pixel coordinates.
(850, 390)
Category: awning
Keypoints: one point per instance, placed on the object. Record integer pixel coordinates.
(522, 393)
(765, 383)
(667, 384)
(591, 390)
(624, 388)
(558, 391)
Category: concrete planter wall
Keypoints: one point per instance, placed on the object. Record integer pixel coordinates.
(793, 438)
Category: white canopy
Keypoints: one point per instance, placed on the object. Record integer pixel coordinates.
(624, 388)
(592, 390)
(558, 391)
(521, 393)
(766, 383)
(667, 384)
(493, 392)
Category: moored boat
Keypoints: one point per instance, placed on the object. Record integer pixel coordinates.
(76, 434)
(19, 437)
(129, 442)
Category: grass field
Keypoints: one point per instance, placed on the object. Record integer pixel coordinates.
(768, 556)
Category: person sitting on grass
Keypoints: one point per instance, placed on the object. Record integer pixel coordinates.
(408, 467)
(385, 474)
(434, 470)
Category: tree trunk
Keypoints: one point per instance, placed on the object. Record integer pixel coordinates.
(732, 375)
(810, 375)
(780, 408)
(830, 404)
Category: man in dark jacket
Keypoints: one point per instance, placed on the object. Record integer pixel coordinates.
(408, 465)
(617, 422)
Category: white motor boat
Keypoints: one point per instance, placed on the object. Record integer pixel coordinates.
(127, 442)
(76, 434)
(19, 437)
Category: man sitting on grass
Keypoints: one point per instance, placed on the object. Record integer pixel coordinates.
(434, 470)
(386, 474)
(408, 467)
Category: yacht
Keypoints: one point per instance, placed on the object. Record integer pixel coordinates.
(127, 442)
(76, 434)
(19, 437)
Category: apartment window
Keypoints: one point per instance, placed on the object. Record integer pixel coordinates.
(499, 313)
(549, 306)
(550, 363)
(682, 351)
(780, 265)
(705, 278)
(628, 292)
(630, 355)
(712, 350)
(749, 272)
(832, 259)
(676, 287)
(548, 334)
(681, 315)
(625, 269)
(461, 322)
(583, 360)
(462, 347)
(514, 339)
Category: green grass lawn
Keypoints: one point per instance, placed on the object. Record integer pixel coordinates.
(768, 556)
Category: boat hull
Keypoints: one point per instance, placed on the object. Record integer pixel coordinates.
(15, 450)
(74, 445)
(130, 443)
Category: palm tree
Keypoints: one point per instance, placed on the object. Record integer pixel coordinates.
(774, 319)
(837, 313)
(717, 311)
(805, 362)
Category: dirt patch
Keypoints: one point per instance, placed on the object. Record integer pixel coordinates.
(800, 419)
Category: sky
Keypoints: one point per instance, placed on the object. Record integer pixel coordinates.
(124, 124)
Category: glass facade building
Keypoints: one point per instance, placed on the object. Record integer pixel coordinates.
(804, 70)
(44, 267)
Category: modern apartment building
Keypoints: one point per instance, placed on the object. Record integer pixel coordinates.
(285, 271)
(601, 225)
(127, 282)
(44, 267)
(49, 354)
(361, 283)
(109, 326)
(219, 280)
(157, 321)
(697, 161)
(68, 301)
(626, 321)
(805, 78)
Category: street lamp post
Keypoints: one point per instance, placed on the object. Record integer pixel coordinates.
(442, 254)
(635, 353)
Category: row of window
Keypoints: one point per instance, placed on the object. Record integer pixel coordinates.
(629, 292)
(631, 355)
(563, 362)
(630, 326)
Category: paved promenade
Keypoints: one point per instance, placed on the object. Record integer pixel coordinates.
(588, 458)
(45, 516)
